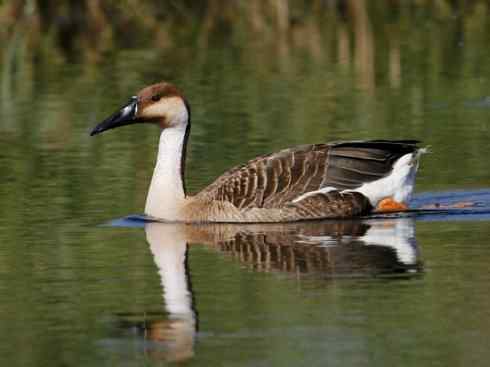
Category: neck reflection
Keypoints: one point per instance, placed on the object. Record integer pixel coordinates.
(169, 248)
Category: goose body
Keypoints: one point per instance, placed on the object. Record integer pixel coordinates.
(331, 180)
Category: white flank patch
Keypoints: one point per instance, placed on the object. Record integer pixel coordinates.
(310, 193)
(398, 185)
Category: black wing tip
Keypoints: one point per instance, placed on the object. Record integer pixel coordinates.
(376, 141)
(390, 145)
(402, 144)
(406, 141)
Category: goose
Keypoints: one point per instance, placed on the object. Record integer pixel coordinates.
(344, 179)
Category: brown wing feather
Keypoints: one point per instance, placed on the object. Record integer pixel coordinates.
(269, 181)
(334, 204)
(272, 180)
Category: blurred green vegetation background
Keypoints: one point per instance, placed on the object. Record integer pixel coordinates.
(260, 75)
(88, 29)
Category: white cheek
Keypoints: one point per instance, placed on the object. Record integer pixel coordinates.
(173, 109)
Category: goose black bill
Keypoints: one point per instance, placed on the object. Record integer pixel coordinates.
(125, 116)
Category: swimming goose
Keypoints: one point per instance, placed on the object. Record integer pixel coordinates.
(329, 180)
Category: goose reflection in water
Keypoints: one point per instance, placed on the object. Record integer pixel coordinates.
(318, 250)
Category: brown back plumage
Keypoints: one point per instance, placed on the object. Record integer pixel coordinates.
(273, 180)
(270, 180)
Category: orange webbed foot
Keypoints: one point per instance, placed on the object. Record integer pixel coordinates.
(390, 205)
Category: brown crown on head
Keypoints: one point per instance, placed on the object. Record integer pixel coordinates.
(155, 92)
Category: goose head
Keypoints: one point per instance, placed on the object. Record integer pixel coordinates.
(161, 104)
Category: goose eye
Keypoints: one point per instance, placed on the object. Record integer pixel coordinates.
(156, 97)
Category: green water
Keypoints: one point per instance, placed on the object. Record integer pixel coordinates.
(77, 294)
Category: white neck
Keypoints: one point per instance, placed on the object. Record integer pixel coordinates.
(166, 193)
